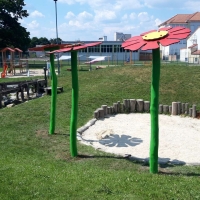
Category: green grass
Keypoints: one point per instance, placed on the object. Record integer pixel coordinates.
(35, 165)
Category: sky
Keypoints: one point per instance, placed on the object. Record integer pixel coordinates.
(88, 20)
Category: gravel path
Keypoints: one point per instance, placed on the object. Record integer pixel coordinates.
(129, 134)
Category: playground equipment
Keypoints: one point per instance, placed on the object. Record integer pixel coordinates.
(96, 59)
(11, 59)
(74, 112)
(150, 41)
(3, 74)
(7, 63)
(17, 60)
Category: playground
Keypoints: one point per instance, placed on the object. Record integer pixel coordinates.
(38, 160)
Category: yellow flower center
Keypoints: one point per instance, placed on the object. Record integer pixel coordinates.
(155, 35)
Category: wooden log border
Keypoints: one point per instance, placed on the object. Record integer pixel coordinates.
(141, 106)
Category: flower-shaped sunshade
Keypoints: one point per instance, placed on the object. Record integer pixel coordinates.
(76, 47)
(151, 39)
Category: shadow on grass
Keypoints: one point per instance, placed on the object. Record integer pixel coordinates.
(164, 168)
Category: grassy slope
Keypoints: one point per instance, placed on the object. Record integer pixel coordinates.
(37, 166)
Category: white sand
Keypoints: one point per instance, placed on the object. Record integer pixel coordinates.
(179, 137)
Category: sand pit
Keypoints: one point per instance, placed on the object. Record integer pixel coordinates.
(129, 134)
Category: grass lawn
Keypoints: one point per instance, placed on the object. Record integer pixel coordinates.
(35, 165)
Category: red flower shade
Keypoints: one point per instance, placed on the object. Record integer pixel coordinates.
(151, 40)
(76, 46)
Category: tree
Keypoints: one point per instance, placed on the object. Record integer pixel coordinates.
(54, 41)
(12, 34)
(38, 41)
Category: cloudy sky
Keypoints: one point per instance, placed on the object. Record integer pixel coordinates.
(91, 19)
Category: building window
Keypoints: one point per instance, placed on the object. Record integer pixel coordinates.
(103, 48)
(116, 48)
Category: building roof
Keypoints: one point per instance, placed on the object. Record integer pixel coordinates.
(182, 19)
(196, 52)
(190, 47)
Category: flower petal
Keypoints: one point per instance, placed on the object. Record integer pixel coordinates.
(62, 50)
(136, 46)
(165, 28)
(178, 28)
(180, 32)
(86, 45)
(178, 36)
(134, 38)
(150, 45)
(148, 32)
(166, 41)
(129, 43)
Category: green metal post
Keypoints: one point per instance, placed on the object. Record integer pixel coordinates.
(53, 95)
(74, 109)
(154, 143)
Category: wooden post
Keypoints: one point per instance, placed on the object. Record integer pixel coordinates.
(139, 105)
(132, 105)
(170, 110)
(194, 111)
(96, 114)
(179, 108)
(105, 109)
(109, 110)
(187, 108)
(125, 105)
(118, 107)
(115, 108)
(190, 112)
(101, 113)
(174, 108)
(183, 108)
(146, 106)
(160, 108)
(165, 109)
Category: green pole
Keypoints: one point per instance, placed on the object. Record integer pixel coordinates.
(53, 95)
(154, 142)
(74, 109)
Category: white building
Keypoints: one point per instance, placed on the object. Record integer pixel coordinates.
(121, 36)
(191, 21)
(104, 38)
(111, 49)
(191, 53)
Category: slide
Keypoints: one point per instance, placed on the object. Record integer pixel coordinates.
(3, 74)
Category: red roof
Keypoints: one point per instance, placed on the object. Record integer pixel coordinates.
(196, 52)
(7, 49)
(192, 46)
(182, 19)
(19, 50)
